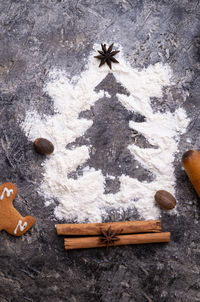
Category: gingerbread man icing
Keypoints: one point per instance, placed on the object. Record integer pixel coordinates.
(10, 219)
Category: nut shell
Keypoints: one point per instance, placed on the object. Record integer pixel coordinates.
(43, 146)
(165, 200)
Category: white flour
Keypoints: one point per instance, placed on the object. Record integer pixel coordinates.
(84, 199)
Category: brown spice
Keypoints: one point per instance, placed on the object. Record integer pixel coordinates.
(92, 242)
(43, 146)
(126, 227)
(109, 236)
(165, 200)
(107, 55)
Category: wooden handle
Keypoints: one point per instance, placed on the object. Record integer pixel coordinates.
(191, 164)
(127, 227)
(92, 242)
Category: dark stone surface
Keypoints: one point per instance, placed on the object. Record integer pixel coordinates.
(38, 35)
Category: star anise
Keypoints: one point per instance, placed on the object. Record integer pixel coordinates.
(107, 55)
(109, 236)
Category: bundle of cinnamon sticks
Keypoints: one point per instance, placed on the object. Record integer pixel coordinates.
(112, 234)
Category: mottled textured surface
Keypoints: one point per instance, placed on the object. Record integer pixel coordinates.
(39, 35)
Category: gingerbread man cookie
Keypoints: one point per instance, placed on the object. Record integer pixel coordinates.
(10, 219)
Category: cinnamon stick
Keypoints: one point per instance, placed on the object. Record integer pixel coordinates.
(92, 242)
(126, 227)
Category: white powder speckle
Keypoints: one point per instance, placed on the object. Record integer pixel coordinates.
(188, 140)
(84, 199)
(107, 94)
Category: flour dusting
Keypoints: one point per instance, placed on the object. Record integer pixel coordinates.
(83, 198)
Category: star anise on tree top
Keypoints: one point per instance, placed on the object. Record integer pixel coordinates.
(107, 55)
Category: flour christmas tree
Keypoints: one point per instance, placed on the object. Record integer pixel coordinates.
(99, 128)
(109, 137)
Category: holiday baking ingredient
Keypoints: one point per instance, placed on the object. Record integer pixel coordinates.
(43, 146)
(126, 227)
(191, 164)
(92, 242)
(109, 236)
(84, 199)
(10, 219)
(107, 55)
(165, 200)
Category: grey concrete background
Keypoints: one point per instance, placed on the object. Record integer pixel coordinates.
(38, 35)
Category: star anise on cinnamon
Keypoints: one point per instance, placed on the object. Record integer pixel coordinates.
(109, 236)
(107, 55)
